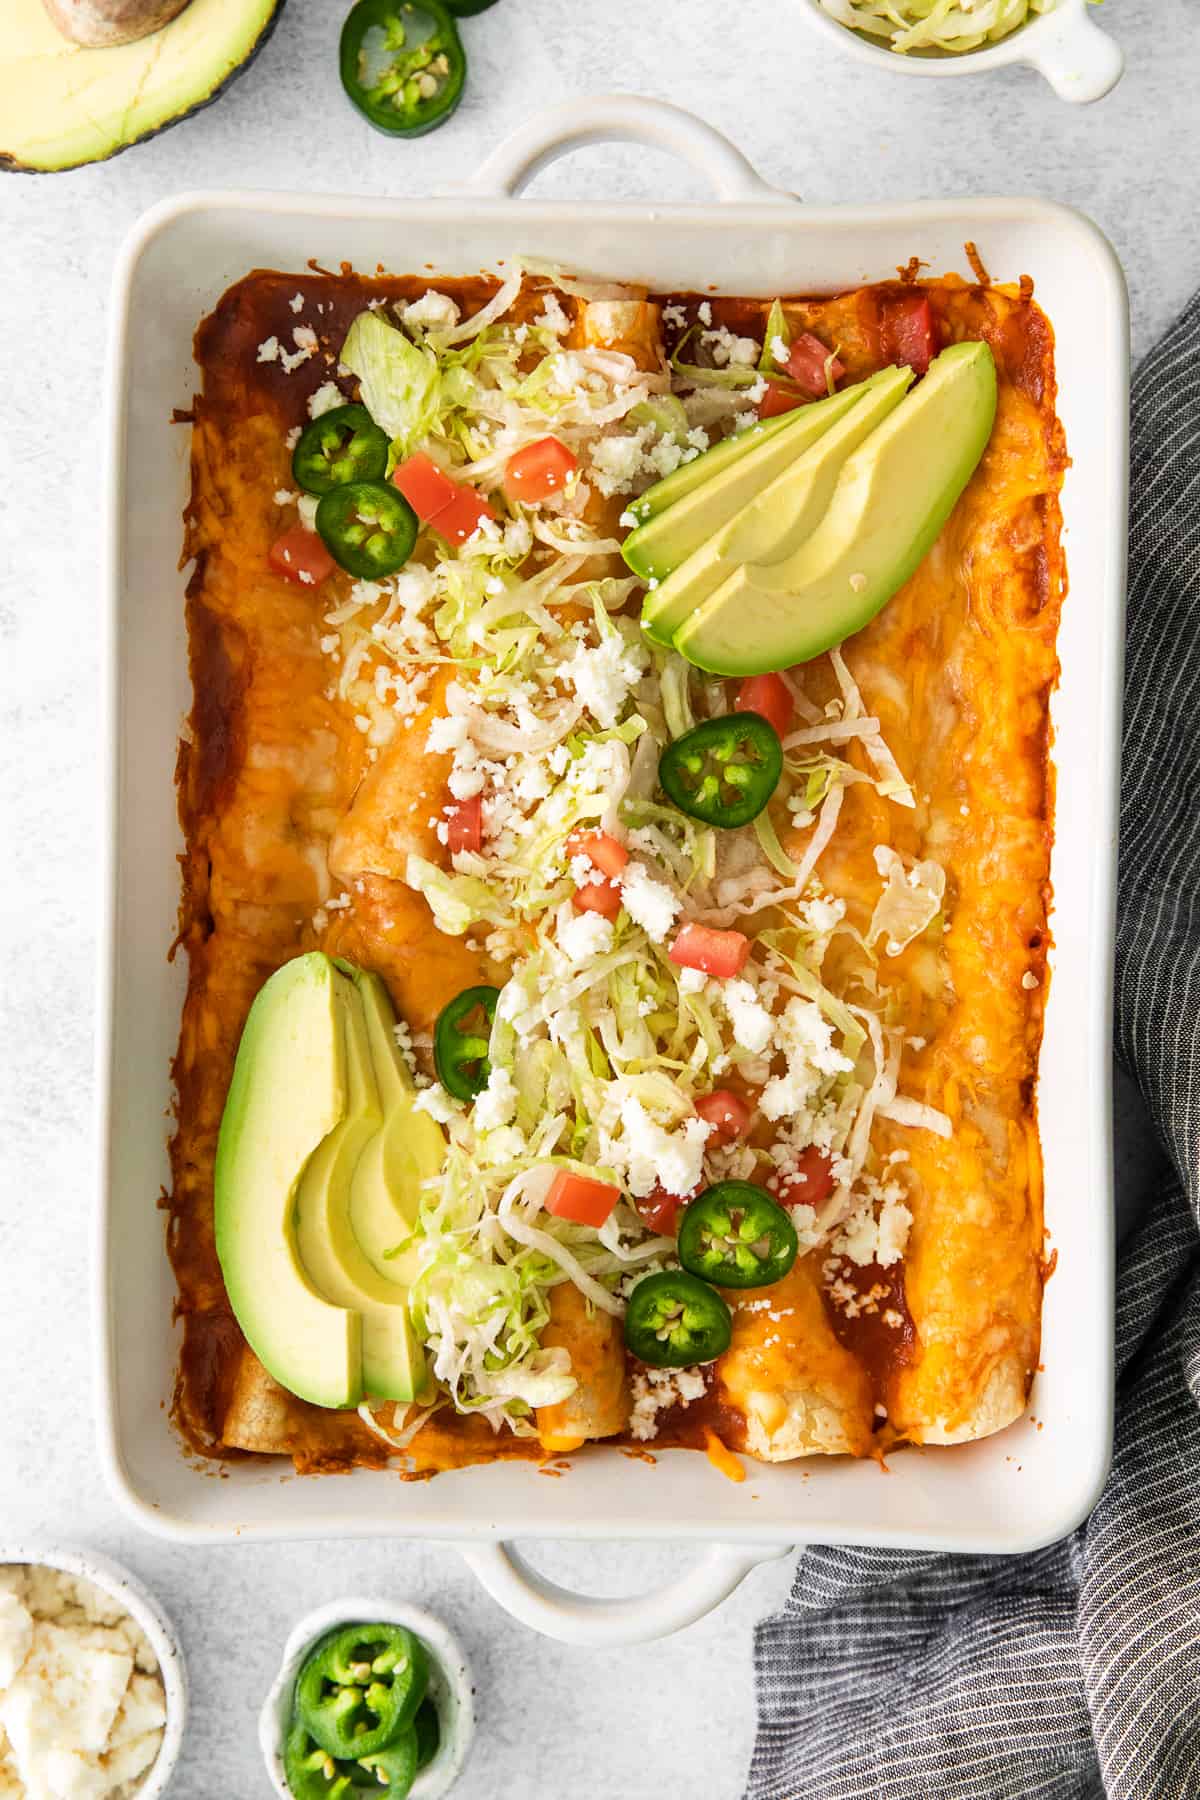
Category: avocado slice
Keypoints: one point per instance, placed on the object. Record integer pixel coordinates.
(393, 1362)
(690, 475)
(62, 104)
(288, 1092)
(667, 539)
(406, 1151)
(784, 511)
(892, 499)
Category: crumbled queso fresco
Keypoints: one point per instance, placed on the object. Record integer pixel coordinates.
(82, 1707)
(655, 1390)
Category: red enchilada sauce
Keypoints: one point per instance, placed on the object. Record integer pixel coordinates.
(874, 1324)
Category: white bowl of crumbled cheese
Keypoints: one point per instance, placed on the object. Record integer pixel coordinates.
(93, 1694)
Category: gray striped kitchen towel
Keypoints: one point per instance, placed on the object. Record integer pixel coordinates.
(1074, 1672)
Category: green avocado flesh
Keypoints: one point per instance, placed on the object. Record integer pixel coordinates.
(785, 511)
(669, 537)
(314, 1090)
(690, 475)
(407, 1151)
(392, 1360)
(891, 500)
(289, 1090)
(62, 105)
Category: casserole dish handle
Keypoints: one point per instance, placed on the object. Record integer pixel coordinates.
(593, 1622)
(626, 119)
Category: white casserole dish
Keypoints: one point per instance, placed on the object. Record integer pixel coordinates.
(1026, 1487)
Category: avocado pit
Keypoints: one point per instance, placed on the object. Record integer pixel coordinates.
(99, 24)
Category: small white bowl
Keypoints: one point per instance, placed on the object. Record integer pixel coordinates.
(449, 1689)
(1080, 61)
(141, 1605)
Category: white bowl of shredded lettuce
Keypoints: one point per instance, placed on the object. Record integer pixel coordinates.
(956, 37)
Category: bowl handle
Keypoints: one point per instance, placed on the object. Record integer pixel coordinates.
(596, 1623)
(619, 118)
(1080, 61)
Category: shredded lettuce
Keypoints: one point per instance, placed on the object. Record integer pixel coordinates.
(697, 375)
(788, 945)
(948, 25)
(777, 327)
(456, 901)
(772, 849)
(665, 413)
(910, 902)
(674, 676)
(399, 381)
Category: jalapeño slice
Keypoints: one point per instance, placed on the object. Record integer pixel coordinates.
(402, 64)
(460, 1041)
(360, 1687)
(344, 444)
(395, 1767)
(672, 1321)
(736, 1236)
(312, 1774)
(368, 528)
(724, 771)
(466, 9)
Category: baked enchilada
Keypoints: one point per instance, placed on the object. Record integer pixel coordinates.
(617, 818)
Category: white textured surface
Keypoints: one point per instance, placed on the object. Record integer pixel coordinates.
(661, 1720)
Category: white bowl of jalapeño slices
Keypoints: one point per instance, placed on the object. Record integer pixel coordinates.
(370, 1697)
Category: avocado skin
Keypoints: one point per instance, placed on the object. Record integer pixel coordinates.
(10, 165)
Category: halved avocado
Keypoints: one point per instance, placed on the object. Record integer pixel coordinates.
(787, 508)
(408, 1150)
(658, 547)
(62, 105)
(393, 1362)
(288, 1093)
(893, 496)
(691, 475)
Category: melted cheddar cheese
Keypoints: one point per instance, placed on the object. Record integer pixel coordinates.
(280, 797)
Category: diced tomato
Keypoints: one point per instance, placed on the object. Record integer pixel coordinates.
(908, 332)
(464, 824)
(463, 517)
(770, 697)
(727, 1113)
(778, 399)
(717, 953)
(428, 489)
(599, 897)
(301, 556)
(580, 1199)
(603, 852)
(539, 470)
(660, 1210)
(810, 367)
(808, 1181)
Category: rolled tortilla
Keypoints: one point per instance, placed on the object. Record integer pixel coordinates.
(797, 1391)
(263, 1417)
(958, 669)
(599, 1407)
